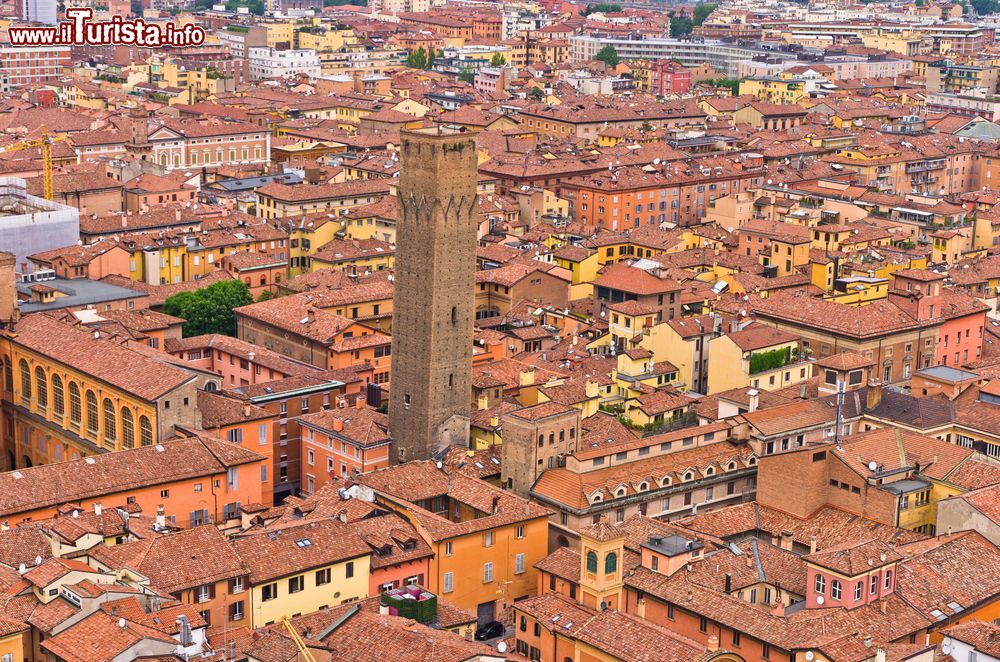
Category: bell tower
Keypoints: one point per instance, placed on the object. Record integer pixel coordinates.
(602, 546)
(430, 390)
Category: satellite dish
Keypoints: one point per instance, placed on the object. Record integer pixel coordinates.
(810, 656)
(502, 647)
(440, 465)
(656, 161)
(820, 599)
(872, 466)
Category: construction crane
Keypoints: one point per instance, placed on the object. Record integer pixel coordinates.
(304, 653)
(45, 143)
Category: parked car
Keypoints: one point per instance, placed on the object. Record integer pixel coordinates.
(491, 630)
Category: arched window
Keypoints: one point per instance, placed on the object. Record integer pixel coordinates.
(92, 423)
(620, 492)
(8, 376)
(591, 561)
(710, 471)
(25, 380)
(888, 579)
(610, 563)
(75, 414)
(110, 421)
(643, 486)
(688, 476)
(58, 399)
(820, 584)
(128, 428)
(665, 481)
(41, 387)
(731, 466)
(752, 461)
(145, 431)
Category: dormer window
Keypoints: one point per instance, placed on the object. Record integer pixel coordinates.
(620, 492)
(731, 466)
(665, 481)
(643, 486)
(710, 471)
(688, 475)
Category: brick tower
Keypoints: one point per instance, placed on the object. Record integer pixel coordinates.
(433, 305)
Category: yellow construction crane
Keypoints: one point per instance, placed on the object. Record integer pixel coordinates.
(303, 651)
(45, 142)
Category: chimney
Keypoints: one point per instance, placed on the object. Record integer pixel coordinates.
(161, 517)
(592, 389)
(786, 540)
(177, 214)
(713, 643)
(812, 544)
(754, 400)
(185, 630)
(361, 402)
(802, 391)
(338, 424)
(527, 377)
(874, 394)
(729, 582)
(246, 411)
(251, 356)
(310, 315)
(97, 509)
(383, 610)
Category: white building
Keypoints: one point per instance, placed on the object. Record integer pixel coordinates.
(272, 63)
(37, 11)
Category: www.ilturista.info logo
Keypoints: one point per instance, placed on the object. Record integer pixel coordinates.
(79, 30)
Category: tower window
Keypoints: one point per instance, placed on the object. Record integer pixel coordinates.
(451, 380)
(406, 399)
(454, 314)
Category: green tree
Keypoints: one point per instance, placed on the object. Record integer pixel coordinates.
(537, 93)
(983, 7)
(601, 8)
(209, 309)
(467, 75)
(730, 84)
(267, 295)
(431, 56)
(609, 56)
(701, 12)
(680, 25)
(498, 60)
(417, 59)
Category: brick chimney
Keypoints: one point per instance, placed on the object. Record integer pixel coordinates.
(338, 424)
(874, 394)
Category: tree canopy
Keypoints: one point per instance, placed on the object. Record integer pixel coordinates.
(498, 60)
(609, 56)
(601, 8)
(209, 309)
(417, 59)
